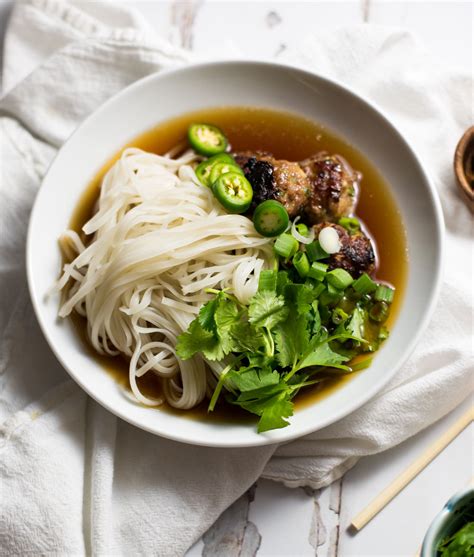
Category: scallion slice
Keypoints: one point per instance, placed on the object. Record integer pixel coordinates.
(267, 280)
(331, 295)
(286, 246)
(301, 264)
(384, 293)
(364, 284)
(339, 278)
(318, 271)
(383, 334)
(319, 288)
(379, 312)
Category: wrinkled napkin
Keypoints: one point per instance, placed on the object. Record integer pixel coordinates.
(75, 479)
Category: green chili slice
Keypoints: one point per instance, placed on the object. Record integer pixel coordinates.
(207, 139)
(270, 218)
(233, 191)
(203, 169)
(220, 168)
(379, 312)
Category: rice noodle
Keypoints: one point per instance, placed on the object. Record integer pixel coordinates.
(158, 240)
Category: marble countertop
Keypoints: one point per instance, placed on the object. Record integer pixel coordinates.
(271, 520)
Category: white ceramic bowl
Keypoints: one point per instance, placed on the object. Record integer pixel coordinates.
(167, 94)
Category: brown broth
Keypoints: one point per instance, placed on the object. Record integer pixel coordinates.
(287, 136)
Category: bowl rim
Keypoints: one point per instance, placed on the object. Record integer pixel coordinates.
(285, 434)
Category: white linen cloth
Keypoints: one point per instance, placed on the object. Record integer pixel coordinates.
(73, 478)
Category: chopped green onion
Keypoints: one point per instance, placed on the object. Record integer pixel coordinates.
(351, 224)
(379, 312)
(267, 280)
(315, 252)
(334, 291)
(339, 316)
(383, 334)
(286, 246)
(331, 296)
(318, 271)
(302, 229)
(318, 289)
(346, 304)
(301, 263)
(364, 284)
(384, 293)
(339, 278)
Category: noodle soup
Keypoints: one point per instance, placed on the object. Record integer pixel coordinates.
(285, 136)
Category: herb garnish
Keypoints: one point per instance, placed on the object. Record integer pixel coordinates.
(280, 342)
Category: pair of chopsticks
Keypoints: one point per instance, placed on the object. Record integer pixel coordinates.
(365, 516)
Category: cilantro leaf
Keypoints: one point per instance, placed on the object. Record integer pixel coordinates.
(250, 379)
(291, 339)
(225, 345)
(355, 326)
(266, 309)
(301, 295)
(259, 360)
(206, 315)
(292, 336)
(246, 337)
(282, 281)
(195, 339)
(273, 416)
(316, 318)
(226, 314)
(214, 346)
(322, 355)
(272, 403)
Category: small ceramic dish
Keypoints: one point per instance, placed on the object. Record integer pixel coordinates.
(448, 521)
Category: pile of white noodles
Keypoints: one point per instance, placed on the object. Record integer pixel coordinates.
(157, 241)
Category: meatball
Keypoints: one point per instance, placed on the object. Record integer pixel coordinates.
(334, 186)
(277, 179)
(356, 255)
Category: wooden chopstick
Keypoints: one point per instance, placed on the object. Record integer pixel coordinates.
(411, 472)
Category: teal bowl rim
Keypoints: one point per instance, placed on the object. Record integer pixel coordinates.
(442, 521)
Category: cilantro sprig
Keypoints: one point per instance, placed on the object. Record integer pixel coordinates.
(289, 333)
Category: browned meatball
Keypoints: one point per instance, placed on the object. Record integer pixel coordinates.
(275, 179)
(356, 255)
(334, 186)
